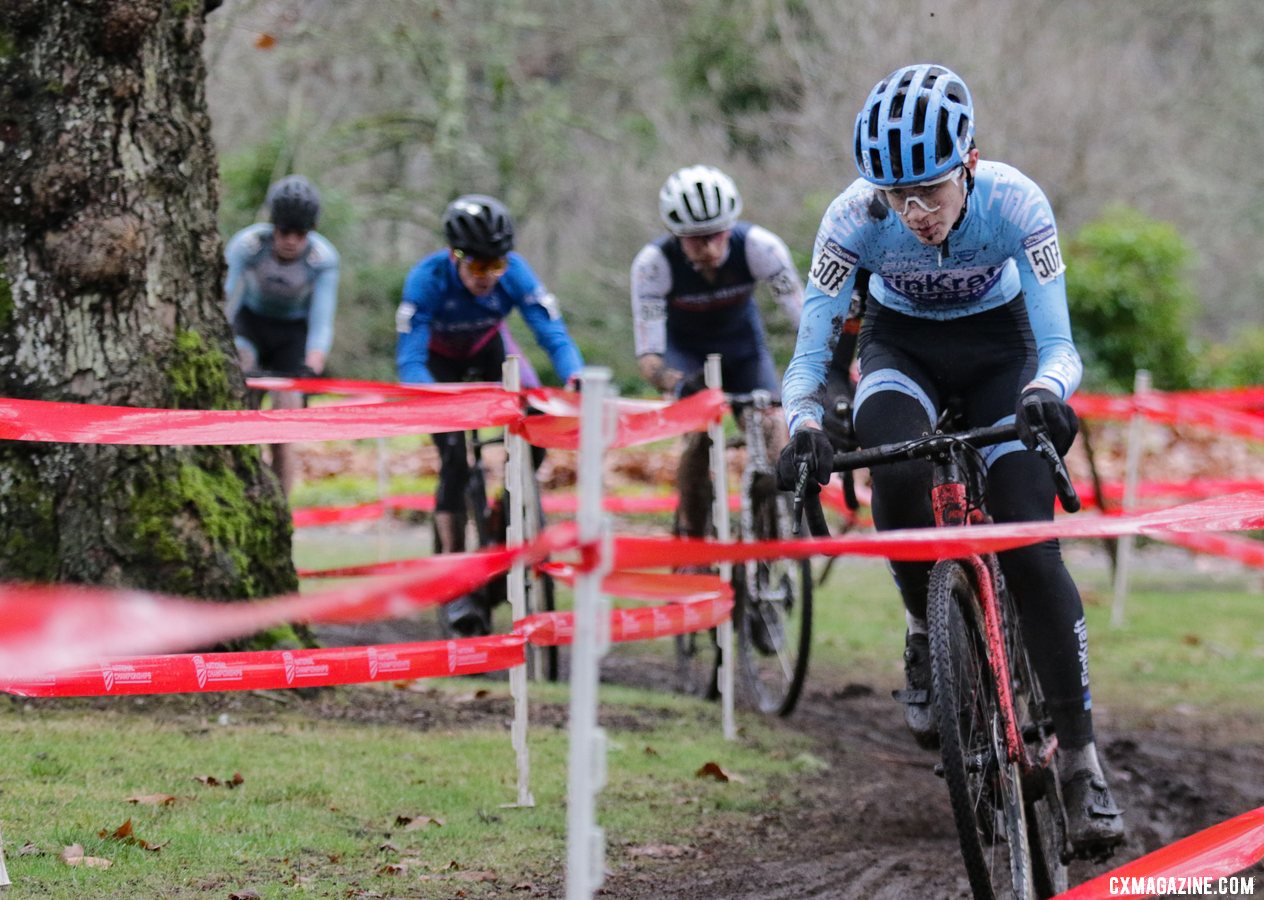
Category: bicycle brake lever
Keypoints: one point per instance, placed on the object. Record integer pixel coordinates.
(800, 488)
(1061, 478)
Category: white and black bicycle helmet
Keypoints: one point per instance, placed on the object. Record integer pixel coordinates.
(699, 200)
(479, 225)
(294, 204)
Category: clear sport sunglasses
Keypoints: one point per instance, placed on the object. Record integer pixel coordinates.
(923, 194)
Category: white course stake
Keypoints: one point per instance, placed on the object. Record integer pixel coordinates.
(720, 514)
(517, 455)
(4, 873)
(585, 840)
(1123, 553)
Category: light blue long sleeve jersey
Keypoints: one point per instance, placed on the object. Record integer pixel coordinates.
(303, 288)
(1006, 242)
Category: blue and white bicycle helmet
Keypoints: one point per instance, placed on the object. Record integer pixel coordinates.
(917, 125)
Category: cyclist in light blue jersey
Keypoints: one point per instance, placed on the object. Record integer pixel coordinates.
(967, 303)
(451, 325)
(281, 293)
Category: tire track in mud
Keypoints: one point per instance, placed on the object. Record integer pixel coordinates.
(876, 825)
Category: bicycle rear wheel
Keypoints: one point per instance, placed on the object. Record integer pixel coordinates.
(772, 613)
(985, 789)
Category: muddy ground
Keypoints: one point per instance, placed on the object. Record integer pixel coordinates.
(876, 825)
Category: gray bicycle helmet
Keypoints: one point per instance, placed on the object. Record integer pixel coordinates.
(294, 204)
(479, 225)
(699, 200)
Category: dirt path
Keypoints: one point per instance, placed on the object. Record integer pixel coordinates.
(877, 826)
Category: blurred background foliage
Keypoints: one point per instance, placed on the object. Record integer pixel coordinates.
(1132, 117)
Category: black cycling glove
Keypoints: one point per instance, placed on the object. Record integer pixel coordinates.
(691, 384)
(810, 446)
(1041, 409)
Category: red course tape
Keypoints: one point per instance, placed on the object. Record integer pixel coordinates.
(78, 423)
(271, 669)
(1217, 852)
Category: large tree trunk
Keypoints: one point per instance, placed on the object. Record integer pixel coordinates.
(110, 293)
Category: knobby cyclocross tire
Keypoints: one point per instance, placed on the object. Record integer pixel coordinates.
(697, 653)
(1046, 823)
(985, 789)
(772, 611)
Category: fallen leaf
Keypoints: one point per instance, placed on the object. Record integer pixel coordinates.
(265, 41)
(415, 823)
(212, 781)
(152, 799)
(479, 694)
(650, 751)
(393, 869)
(124, 835)
(247, 894)
(713, 770)
(73, 856)
(29, 849)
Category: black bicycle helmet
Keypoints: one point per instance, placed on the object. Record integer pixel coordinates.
(479, 225)
(294, 204)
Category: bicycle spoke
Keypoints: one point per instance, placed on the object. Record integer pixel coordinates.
(984, 786)
(773, 612)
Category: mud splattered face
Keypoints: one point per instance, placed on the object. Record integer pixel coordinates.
(930, 210)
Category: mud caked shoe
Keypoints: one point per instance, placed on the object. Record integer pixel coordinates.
(919, 714)
(1095, 825)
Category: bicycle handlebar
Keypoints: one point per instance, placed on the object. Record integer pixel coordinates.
(934, 444)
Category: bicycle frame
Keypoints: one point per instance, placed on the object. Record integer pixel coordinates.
(952, 509)
(957, 487)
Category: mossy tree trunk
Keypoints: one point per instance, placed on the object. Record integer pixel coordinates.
(110, 287)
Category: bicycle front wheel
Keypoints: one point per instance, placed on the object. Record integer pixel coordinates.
(984, 787)
(1046, 827)
(772, 612)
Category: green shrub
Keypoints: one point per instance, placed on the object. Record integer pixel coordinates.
(1131, 304)
(1238, 362)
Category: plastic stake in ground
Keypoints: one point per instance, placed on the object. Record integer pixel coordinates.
(723, 531)
(585, 841)
(4, 873)
(516, 455)
(1123, 556)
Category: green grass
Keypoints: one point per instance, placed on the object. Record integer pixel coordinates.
(320, 803)
(1193, 636)
(322, 797)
